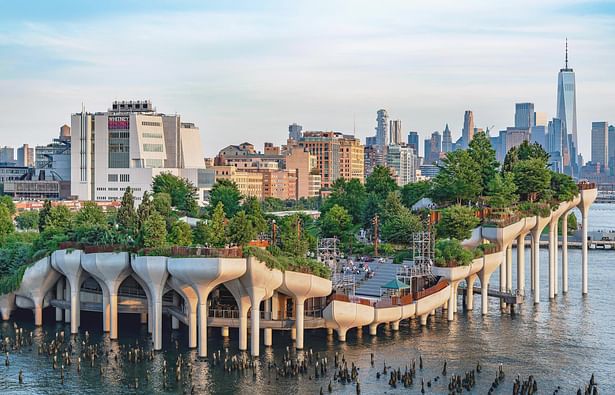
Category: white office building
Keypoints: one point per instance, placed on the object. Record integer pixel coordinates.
(402, 160)
(129, 145)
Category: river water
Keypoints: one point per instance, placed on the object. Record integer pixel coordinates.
(561, 343)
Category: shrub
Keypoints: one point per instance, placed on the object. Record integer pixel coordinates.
(450, 252)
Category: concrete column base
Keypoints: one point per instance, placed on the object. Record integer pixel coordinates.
(395, 325)
(329, 331)
(293, 333)
(424, 319)
(224, 331)
(38, 315)
(373, 329)
(268, 337)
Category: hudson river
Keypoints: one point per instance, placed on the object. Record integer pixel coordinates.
(561, 343)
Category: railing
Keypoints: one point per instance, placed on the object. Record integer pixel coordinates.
(394, 301)
(430, 291)
(264, 315)
(176, 251)
(92, 249)
(584, 185)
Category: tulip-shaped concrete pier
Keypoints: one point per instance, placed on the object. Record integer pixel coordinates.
(260, 282)
(541, 223)
(37, 281)
(153, 271)
(553, 241)
(572, 204)
(111, 269)
(243, 303)
(587, 198)
(191, 303)
(454, 275)
(301, 287)
(490, 263)
(530, 223)
(68, 262)
(203, 275)
(341, 316)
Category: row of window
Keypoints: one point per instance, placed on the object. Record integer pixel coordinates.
(152, 135)
(153, 147)
(119, 135)
(148, 123)
(116, 177)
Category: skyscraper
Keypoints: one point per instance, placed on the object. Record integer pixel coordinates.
(600, 144)
(427, 151)
(413, 142)
(556, 141)
(611, 146)
(436, 146)
(447, 140)
(525, 117)
(294, 131)
(395, 132)
(382, 128)
(468, 129)
(567, 112)
(7, 155)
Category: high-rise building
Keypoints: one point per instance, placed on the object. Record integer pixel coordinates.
(567, 112)
(395, 132)
(427, 151)
(556, 140)
(468, 129)
(525, 117)
(600, 144)
(25, 156)
(338, 155)
(538, 134)
(447, 140)
(436, 147)
(515, 137)
(7, 155)
(413, 142)
(612, 148)
(382, 128)
(402, 160)
(294, 131)
(306, 166)
(540, 119)
(129, 145)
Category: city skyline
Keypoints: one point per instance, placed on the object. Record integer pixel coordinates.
(251, 80)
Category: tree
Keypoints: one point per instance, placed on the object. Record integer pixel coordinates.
(145, 209)
(502, 190)
(400, 228)
(380, 182)
(216, 232)
(563, 186)
(350, 195)
(524, 151)
(154, 231)
(483, 155)
(241, 229)
(373, 207)
(90, 215)
(60, 218)
(227, 193)
(43, 214)
(6, 223)
(253, 210)
(413, 192)
(182, 192)
(162, 203)
(27, 220)
(336, 222)
(452, 252)
(532, 178)
(7, 202)
(457, 222)
(294, 241)
(180, 234)
(126, 215)
(459, 179)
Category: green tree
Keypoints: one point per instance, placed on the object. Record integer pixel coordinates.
(563, 186)
(216, 231)
(43, 214)
(380, 182)
(90, 215)
(459, 179)
(483, 155)
(180, 234)
(6, 223)
(27, 220)
(457, 222)
(154, 231)
(270, 204)
(350, 195)
(524, 151)
(532, 178)
(145, 209)
(59, 217)
(373, 206)
(127, 215)
(253, 210)
(162, 203)
(294, 240)
(502, 191)
(183, 193)
(452, 252)
(227, 193)
(7, 202)
(413, 192)
(336, 222)
(400, 228)
(241, 229)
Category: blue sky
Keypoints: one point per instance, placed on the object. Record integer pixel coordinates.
(244, 70)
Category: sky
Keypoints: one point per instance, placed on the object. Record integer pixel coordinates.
(245, 70)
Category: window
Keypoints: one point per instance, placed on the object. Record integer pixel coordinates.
(153, 163)
(147, 123)
(152, 147)
(112, 178)
(152, 135)
(124, 177)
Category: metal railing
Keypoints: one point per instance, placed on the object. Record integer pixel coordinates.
(264, 315)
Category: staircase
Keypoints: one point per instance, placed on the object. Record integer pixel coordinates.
(383, 273)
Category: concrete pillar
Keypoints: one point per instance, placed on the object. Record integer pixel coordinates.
(106, 310)
(552, 257)
(484, 291)
(565, 253)
(268, 332)
(192, 329)
(452, 301)
(243, 326)
(202, 327)
(67, 298)
(150, 316)
(75, 304)
(509, 263)
(255, 325)
(38, 313)
(175, 321)
(59, 296)
(521, 263)
(114, 315)
(584, 274)
(395, 325)
(341, 334)
(293, 333)
(143, 318)
(224, 331)
(470, 292)
(299, 320)
(373, 329)
(424, 319)
(503, 280)
(532, 281)
(536, 272)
